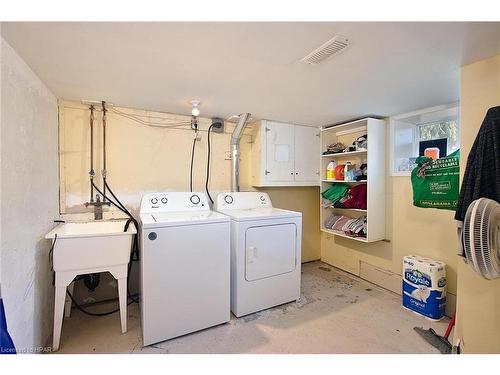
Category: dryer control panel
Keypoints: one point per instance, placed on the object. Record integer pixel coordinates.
(174, 201)
(242, 200)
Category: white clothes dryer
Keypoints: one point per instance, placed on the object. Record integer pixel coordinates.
(265, 251)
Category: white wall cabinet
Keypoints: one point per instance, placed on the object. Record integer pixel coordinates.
(285, 154)
(279, 152)
(307, 141)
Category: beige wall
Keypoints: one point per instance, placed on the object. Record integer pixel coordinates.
(478, 300)
(142, 158)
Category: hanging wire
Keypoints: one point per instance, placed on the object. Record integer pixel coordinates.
(149, 116)
(207, 179)
(172, 124)
(165, 123)
(192, 165)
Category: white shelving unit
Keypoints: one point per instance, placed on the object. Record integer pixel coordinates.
(374, 157)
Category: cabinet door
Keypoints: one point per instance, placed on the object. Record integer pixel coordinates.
(306, 153)
(279, 151)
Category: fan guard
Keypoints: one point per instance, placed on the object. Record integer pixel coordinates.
(481, 239)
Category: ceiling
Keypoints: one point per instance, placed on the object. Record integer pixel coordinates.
(389, 68)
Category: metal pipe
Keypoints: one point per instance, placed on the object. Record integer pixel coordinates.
(104, 110)
(91, 172)
(235, 151)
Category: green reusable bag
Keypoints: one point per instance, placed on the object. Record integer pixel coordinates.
(436, 183)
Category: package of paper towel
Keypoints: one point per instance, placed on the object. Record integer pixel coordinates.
(424, 286)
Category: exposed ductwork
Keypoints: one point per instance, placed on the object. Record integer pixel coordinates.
(235, 151)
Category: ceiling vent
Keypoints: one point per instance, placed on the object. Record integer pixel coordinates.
(334, 46)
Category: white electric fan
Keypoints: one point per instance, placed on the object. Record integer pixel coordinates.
(481, 237)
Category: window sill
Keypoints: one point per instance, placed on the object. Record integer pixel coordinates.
(400, 174)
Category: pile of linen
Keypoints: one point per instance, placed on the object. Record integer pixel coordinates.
(346, 225)
(342, 196)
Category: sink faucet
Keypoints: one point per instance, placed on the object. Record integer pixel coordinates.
(97, 207)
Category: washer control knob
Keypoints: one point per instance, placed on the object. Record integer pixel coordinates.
(228, 199)
(154, 200)
(164, 200)
(195, 199)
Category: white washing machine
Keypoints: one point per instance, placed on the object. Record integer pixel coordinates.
(265, 251)
(185, 265)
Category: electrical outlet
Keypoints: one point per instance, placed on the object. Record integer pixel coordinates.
(227, 155)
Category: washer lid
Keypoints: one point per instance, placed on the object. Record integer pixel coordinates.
(169, 219)
(260, 213)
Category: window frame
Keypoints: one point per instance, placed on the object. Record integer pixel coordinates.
(393, 124)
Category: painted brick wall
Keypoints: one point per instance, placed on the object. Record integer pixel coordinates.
(29, 199)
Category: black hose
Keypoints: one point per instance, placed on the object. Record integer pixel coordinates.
(117, 204)
(112, 202)
(192, 163)
(134, 255)
(91, 313)
(207, 180)
(51, 259)
(121, 206)
(131, 219)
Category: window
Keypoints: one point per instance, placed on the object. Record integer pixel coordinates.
(412, 133)
(439, 130)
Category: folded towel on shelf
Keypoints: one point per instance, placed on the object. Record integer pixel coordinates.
(357, 197)
(335, 192)
(354, 198)
(331, 220)
(339, 224)
(353, 227)
(356, 227)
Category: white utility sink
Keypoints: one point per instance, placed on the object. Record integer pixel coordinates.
(89, 247)
(91, 244)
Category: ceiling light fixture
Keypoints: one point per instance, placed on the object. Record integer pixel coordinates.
(195, 111)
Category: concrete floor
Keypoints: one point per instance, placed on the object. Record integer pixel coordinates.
(337, 313)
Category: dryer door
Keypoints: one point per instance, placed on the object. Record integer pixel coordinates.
(270, 250)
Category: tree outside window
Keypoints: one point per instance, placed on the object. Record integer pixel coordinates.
(441, 129)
